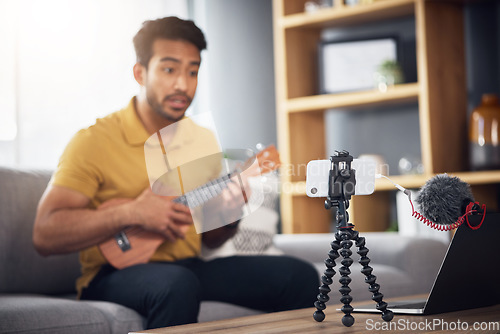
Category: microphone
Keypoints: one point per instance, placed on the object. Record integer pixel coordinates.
(444, 199)
(446, 202)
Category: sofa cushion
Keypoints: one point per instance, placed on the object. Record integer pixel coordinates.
(22, 268)
(38, 314)
(120, 319)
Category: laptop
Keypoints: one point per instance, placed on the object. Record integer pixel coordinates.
(468, 277)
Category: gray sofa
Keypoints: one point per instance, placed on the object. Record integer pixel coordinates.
(37, 294)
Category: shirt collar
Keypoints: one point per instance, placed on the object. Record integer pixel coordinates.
(133, 129)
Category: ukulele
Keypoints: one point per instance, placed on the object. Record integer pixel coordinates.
(135, 245)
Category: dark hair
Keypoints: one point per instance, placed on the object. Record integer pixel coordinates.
(165, 28)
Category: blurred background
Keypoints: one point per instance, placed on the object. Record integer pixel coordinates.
(66, 63)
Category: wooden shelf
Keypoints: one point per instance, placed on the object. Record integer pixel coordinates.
(440, 94)
(416, 181)
(349, 15)
(403, 93)
(409, 181)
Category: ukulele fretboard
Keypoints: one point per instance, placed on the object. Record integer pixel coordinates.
(201, 195)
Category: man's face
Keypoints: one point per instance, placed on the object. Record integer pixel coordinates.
(172, 77)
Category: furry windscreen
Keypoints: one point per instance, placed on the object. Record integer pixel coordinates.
(443, 199)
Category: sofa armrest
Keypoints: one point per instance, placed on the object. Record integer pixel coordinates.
(310, 247)
(413, 255)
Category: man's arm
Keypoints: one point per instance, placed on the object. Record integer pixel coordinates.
(64, 224)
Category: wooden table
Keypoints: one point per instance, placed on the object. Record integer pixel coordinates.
(301, 321)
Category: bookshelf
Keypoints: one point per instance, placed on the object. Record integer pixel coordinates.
(440, 93)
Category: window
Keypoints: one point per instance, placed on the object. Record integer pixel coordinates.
(65, 64)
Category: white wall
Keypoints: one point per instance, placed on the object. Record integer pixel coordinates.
(238, 89)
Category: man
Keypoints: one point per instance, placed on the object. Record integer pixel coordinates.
(105, 164)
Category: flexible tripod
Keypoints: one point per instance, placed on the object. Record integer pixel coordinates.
(342, 183)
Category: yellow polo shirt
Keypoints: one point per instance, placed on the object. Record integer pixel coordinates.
(107, 161)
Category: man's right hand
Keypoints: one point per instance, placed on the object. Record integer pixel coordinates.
(157, 213)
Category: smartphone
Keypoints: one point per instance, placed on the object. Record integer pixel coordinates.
(318, 172)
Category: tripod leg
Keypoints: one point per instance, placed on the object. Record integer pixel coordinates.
(345, 235)
(326, 279)
(387, 315)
